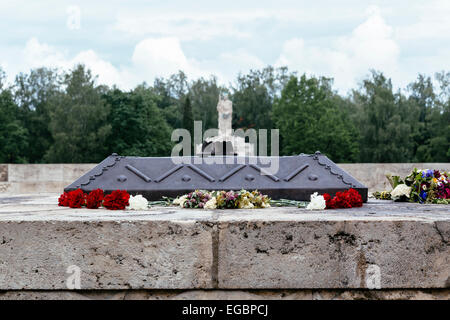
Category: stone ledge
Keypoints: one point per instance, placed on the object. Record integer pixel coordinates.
(400, 294)
(172, 248)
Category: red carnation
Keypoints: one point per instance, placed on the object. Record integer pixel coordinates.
(330, 203)
(117, 200)
(347, 199)
(63, 200)
(94, 199)
(355, 198)
(77, 198)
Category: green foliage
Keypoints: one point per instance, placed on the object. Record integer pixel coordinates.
(253, 97)
(2, 79)
(433, 140)
(188, 116)
(172, 92)
(394, 181)
(386, 133)
(204, 94)
(33, 93)
(137, 125)
(310, 120)
(13, 135)
(78, 117)
(53, 116)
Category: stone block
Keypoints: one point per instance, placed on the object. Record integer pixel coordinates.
(109, 254)
(329, 253)
(32, 187)
(34, 173)
(73, 171)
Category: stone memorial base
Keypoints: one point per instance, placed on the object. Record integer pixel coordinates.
(384, 250)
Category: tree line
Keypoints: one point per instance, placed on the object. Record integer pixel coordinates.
(54, 116)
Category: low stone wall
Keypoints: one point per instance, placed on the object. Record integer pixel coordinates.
(382, 250)
(49, 178)
(44, 178)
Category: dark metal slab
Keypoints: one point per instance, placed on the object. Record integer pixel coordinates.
(297, 178)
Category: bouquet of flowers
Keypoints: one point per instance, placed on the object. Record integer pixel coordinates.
(347, 199)
(117, 200)
(423, 186)
(196, 199)
(223, 200)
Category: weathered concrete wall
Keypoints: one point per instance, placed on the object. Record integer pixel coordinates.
(30, 178)
(383, 245)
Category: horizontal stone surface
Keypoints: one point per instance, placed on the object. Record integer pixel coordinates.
(406, 244)
(40, 241)
(402, 294)
(30, 178)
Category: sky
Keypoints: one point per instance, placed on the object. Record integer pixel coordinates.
(129, 42)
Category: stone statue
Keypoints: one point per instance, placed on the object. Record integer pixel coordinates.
(225, 110)
(225, 142)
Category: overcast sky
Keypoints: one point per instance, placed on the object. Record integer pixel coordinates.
(128, 42)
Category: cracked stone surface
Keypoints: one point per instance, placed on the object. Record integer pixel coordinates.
(383, 245)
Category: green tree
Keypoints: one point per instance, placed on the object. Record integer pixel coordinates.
(78, 120)
(13, 135)
(434, 142)
(253, 97)
(309, 120)
(188, 116)
(32, 93)
(382, 117)
(138, 126)
(177, 88)
(204, 94)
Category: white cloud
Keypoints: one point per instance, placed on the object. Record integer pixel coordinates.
(348, 58)
(37, 54)
(242, 59)
(151, 58)
(228, 64)
(432, 22)
(343, 42)
(73, 17)
(160, 57)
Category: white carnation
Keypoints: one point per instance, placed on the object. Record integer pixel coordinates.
(400, 190)
(211, 204)
(180, 201)
(138, 203)
(317, 202)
